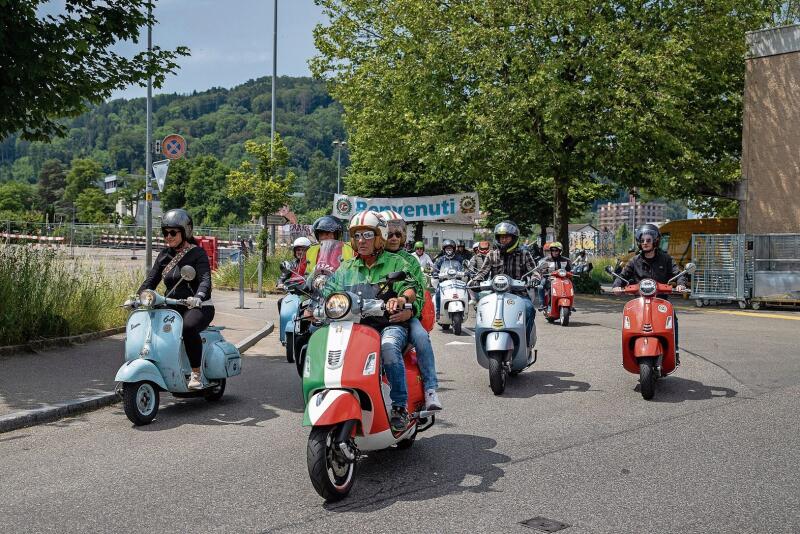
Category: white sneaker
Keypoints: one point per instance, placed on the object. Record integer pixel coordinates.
(432, 401)
(194, 381)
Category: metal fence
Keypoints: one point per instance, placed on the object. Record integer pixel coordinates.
(721, 267)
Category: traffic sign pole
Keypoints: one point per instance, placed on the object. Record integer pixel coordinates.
(148, 209)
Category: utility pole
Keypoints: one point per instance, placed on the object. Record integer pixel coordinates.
(271, 141)
(339, 145)
(148, 210)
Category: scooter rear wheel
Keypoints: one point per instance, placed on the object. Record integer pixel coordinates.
(290, 347)
(331, 474)
(497, 372)
(140, 401)
(215, 393)
(647, 380)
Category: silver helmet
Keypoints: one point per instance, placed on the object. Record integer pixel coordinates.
(178, 218)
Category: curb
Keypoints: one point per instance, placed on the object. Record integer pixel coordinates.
(54, 412)
(59, 341)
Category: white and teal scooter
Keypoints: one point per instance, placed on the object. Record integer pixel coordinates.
(155, 358)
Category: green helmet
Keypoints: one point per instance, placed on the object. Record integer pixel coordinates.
(419, 244)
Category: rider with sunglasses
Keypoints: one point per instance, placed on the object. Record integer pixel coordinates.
(181, 249)
(651, 262)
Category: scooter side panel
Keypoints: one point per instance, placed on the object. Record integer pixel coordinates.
(331, 406)
(288, 312)
(221, 360)
(140, 370)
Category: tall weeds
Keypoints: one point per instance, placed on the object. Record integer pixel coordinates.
(227, 275)
(43, 295)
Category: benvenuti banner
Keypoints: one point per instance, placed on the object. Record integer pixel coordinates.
(455, 208)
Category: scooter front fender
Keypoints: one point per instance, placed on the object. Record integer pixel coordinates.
(455, 306)
(564, 303)
(330, 407)
(499, 341)
(647, 347)
(140, 370)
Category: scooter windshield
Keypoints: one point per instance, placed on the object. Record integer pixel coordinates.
(456, 265)
(328, 260)
(355, 281)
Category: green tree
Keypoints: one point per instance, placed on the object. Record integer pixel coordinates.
(52, 66)
(260, 181)
(320, 182)
(17, 197)
(52, 181)
(83, 174)
(174, 193)
(93, 206)
(206, 196)
(22, 170)
(623, 237)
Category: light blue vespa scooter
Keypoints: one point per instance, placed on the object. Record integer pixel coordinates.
(501, 340)
(289, 306)
(155, 358)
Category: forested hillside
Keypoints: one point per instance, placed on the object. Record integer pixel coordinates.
(215, 123)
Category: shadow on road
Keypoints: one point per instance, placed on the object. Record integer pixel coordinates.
(529, 384)
(675, 389)
(444, 464)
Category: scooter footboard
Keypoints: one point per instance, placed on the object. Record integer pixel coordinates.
(647, 347)
(330, 407)
(139, 371)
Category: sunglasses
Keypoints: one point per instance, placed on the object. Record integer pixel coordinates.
(365, 235)
(171, 233)
(646, 240)
(395, 234)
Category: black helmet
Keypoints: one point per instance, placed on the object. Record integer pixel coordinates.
(506, 228)
(327, 223)
(178, 218)
(648, 229)
(448, 243)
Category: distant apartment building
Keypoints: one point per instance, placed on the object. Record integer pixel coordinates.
(613, 215)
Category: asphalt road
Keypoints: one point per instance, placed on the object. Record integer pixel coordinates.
(571, 440)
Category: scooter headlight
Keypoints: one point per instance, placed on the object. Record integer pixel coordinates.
(337, 306)
(451, 272)
(562, 273)
(147, 298)
(647, 287)
(501, 283)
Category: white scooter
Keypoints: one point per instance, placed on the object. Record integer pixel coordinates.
(453, 296)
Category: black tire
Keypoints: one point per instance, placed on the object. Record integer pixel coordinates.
(140, 400)
(407, 443)
(445, 327)
(290, 347)
(214, 394)
(300, 360)
(332, 479)
(457, 318)
(497, 372)
(565, 313)
(647, 379)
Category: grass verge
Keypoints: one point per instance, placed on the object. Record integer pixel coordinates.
(227, 276)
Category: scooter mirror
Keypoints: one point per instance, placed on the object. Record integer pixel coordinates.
(609, 269)
(397, 276)
(286, 266)
(691, 268)
(188, 273)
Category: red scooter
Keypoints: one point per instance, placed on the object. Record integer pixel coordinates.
(558, 301)
(648, 336)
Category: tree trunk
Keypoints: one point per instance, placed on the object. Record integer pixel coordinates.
(561, 212)
(543, 224)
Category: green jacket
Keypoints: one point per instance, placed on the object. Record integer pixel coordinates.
(415, 271)
(356, 270)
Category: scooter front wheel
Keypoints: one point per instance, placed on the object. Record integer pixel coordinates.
(564, 316)
(290, 355)
(332, 475)
(497, 372)
(140, 400)
(647, 380)
(457, 318)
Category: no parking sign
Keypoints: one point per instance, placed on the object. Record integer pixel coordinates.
(173, 146)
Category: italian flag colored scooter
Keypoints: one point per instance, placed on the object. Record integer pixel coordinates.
(347, 395)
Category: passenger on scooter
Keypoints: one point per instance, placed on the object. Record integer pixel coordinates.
(421, 256)
(652, 262)
(417, 333)
(550, 263)
(299, 248)
(182, 249)
(482, 249)
(368, 234)
(324, 228)
(448, 254)
(509, 260)
(462, 252)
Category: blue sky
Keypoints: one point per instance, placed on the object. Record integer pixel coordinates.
(230, 40)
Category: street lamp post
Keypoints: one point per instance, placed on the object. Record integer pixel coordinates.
(339, 145)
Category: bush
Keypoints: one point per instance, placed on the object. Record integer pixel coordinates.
(45, 295)
(227, 275)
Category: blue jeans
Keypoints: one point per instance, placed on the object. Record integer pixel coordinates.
(545, 285)
(529, 315)
(437, 302)
(393, 340)
(422, 342)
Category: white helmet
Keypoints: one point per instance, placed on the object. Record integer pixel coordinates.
(369, 220)
(301, 242)
(393, 219)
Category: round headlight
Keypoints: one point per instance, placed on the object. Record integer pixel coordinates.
(147, 297)
(501, 283)
(562, 273)
(319, 281)
(647, 287)
(337, 306)
(451, 272)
